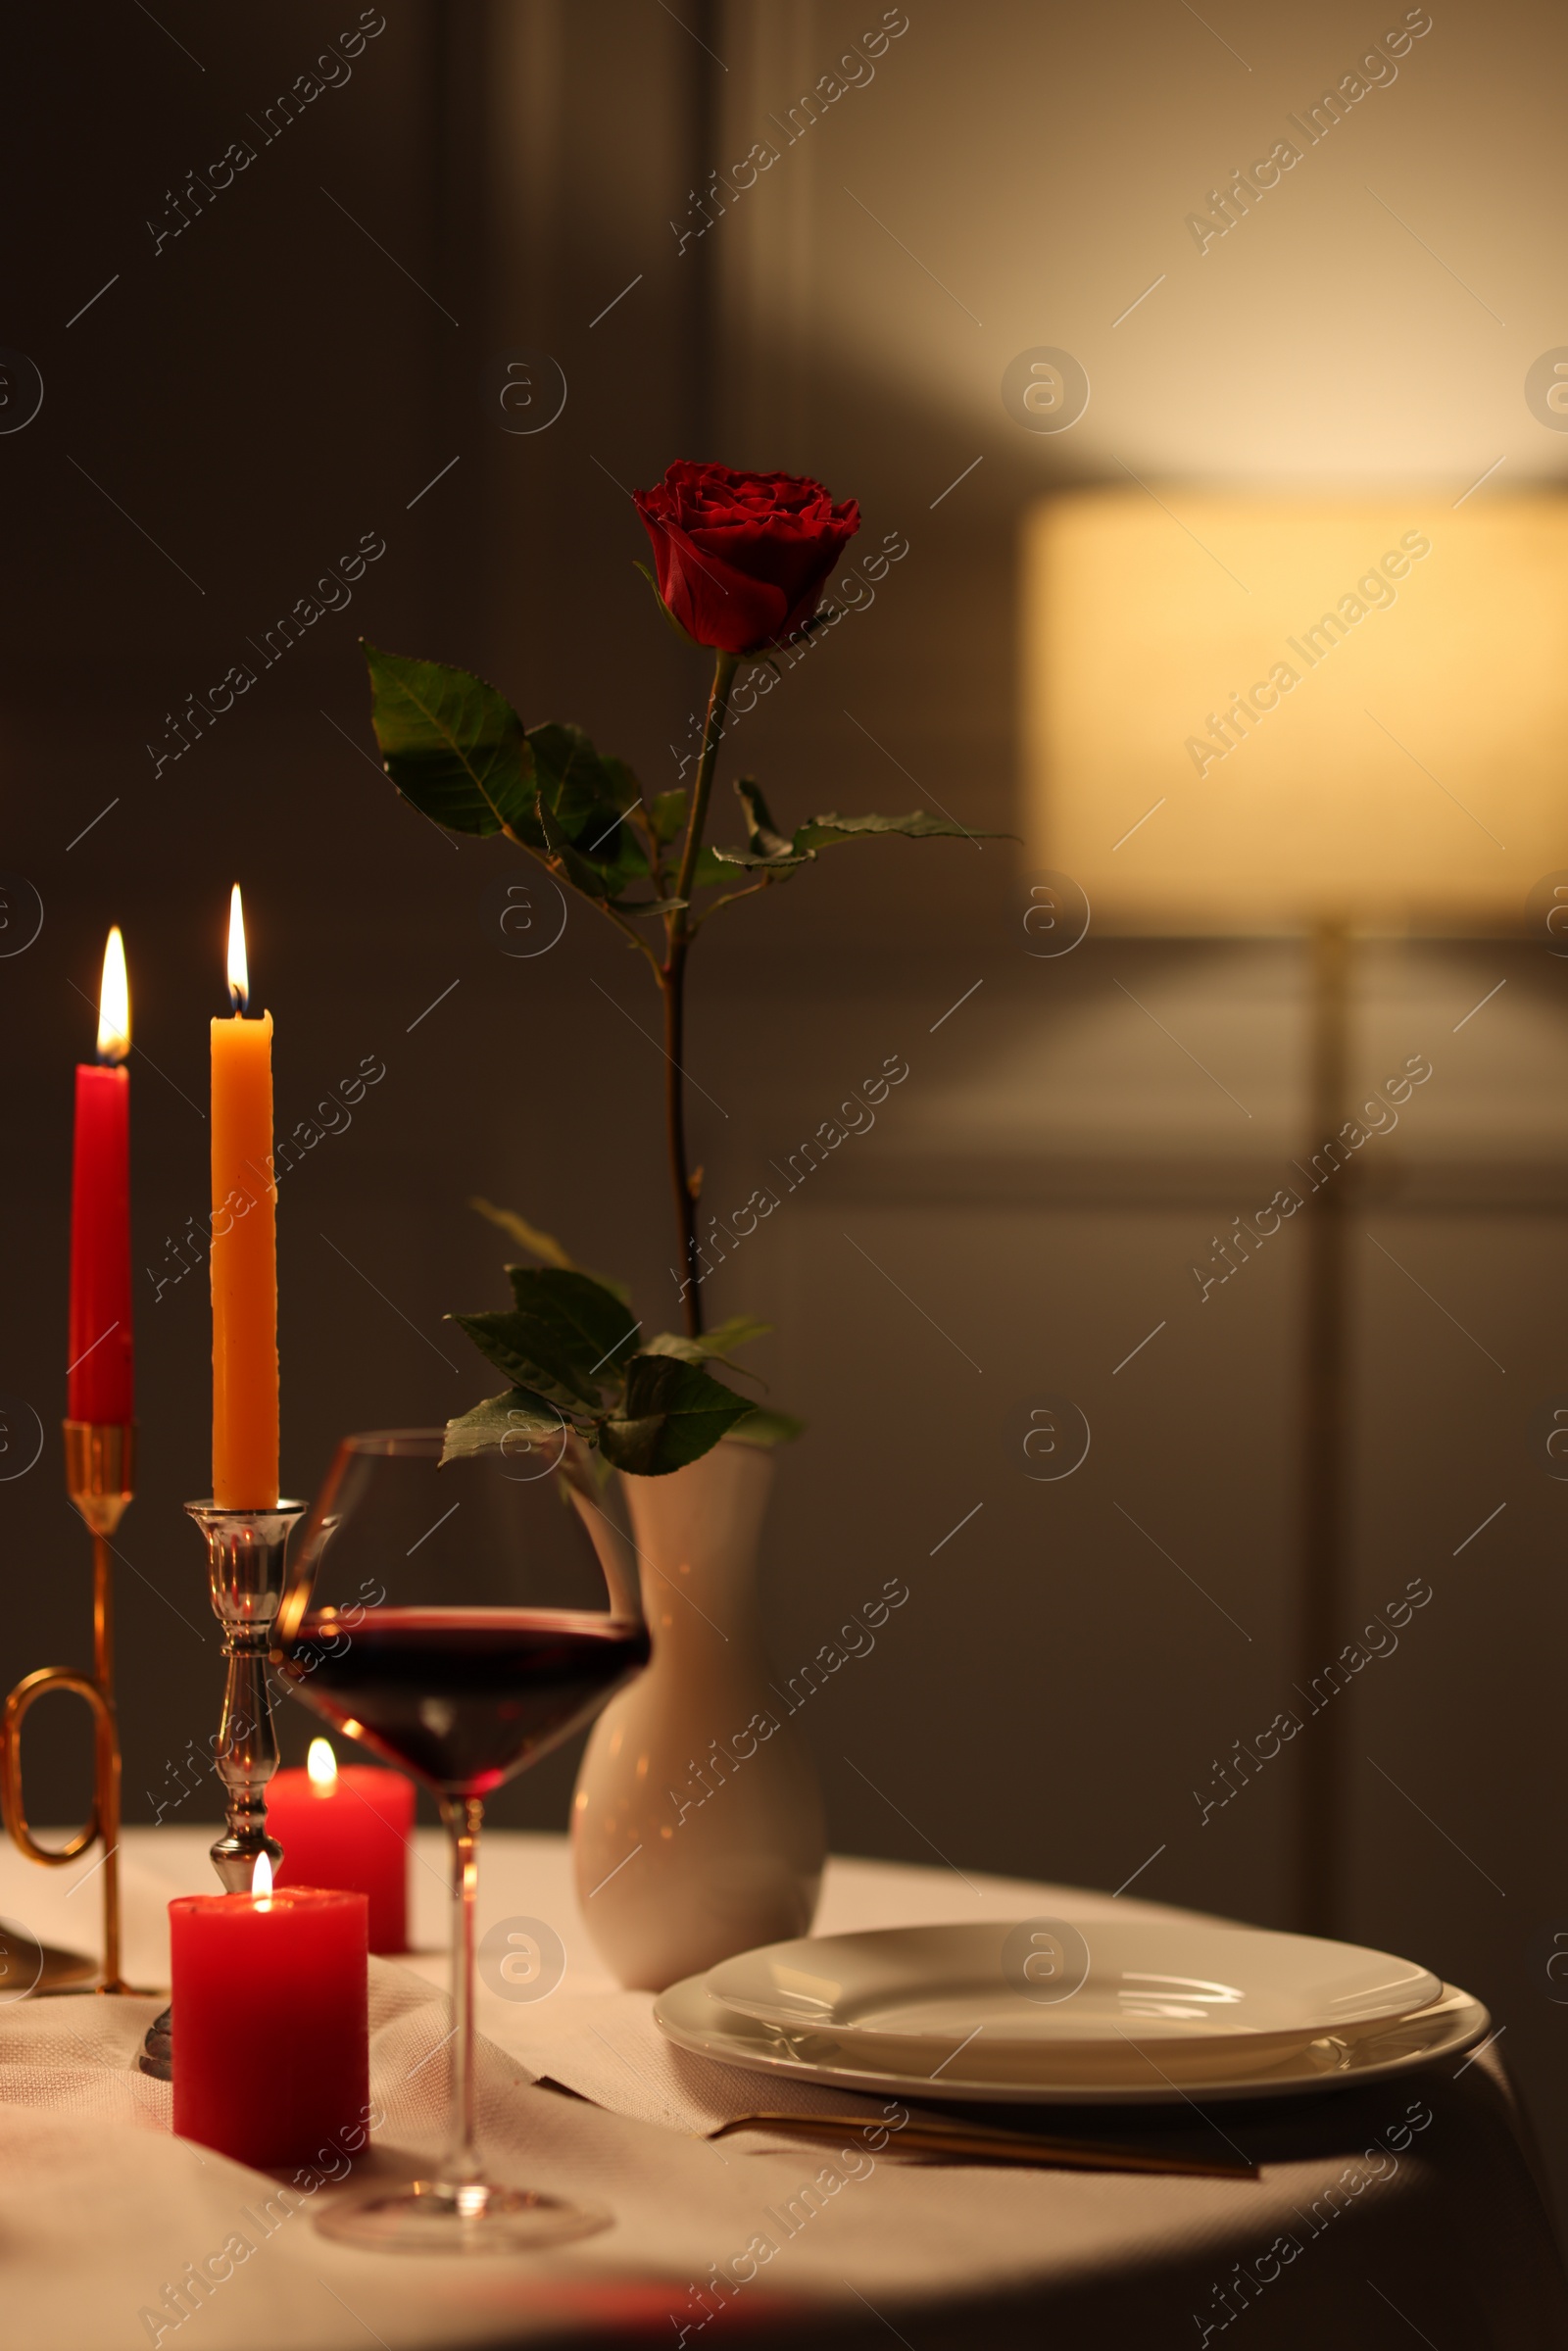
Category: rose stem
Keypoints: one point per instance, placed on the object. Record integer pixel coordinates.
(672, 984)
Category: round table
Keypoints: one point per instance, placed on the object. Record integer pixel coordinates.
(109, 2225)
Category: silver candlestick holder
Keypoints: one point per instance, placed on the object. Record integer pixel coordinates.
(245, 1555)
(245, 1560)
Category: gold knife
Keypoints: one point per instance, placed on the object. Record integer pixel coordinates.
(964, 2141)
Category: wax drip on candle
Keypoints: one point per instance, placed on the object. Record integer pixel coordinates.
(321, 1765)
(239, 978)
(113, 1002)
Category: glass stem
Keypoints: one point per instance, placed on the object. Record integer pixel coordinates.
(463, 1816)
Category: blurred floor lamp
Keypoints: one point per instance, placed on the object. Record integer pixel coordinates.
(1248, 715)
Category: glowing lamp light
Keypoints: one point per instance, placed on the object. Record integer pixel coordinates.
(114, 1003)
(322, 1764)
(1244, 714)
(239, 978)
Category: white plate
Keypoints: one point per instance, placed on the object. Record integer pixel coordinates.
(1172, 1983)
(1139, 2010)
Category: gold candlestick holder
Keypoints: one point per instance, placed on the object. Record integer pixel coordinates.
(100, 1479)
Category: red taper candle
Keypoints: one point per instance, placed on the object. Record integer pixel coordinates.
(99, 1377)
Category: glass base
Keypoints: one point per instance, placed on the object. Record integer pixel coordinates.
(430, 2218)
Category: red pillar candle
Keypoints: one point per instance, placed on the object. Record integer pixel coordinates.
(349, 1828)
(270, 2021)
(98, 1376)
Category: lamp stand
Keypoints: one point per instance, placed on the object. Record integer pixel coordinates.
(1325, 1432)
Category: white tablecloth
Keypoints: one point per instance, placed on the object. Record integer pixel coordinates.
(102, 2210)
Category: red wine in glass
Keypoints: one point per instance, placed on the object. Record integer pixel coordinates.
(462, 1697)
(476, 1637)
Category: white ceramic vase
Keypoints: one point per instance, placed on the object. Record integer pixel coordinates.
(697, 1826)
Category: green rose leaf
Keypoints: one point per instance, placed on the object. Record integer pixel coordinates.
(584, 874)
(453, 745)
(768, 851)
(631, 861)
(589, 1325)
(780, 862)
(710, 867)
(762, 835)
(543, 1244)
(763, 1427)
(723, 1340)
(673, 1413)
(765, 844)
(518, 1421)
(668, 816)
(534, 1353)
(624, 783)
(823, 832)
(576, 787)
(584, 799)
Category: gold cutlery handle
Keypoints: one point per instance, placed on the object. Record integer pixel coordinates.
(981, 2142)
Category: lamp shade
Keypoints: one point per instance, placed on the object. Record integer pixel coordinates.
(1247, 714)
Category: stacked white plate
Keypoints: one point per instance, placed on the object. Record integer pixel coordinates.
(1050, 2012)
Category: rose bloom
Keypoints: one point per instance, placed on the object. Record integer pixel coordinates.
(743, 558)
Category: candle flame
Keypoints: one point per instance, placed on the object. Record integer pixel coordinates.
(322, 1764)
(262, 1877)
(113, 1002)
(239, 978)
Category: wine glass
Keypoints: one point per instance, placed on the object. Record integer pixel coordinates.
(452, 1619)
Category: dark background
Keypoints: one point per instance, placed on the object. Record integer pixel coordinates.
(234, 410)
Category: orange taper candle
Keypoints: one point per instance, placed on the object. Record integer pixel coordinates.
(244, 1254)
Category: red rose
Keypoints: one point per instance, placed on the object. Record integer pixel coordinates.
(743, 558)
